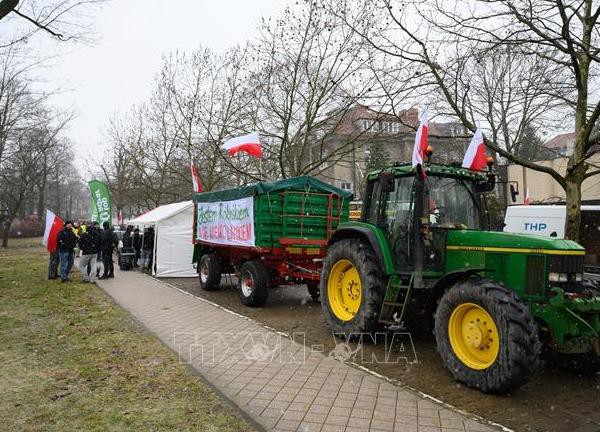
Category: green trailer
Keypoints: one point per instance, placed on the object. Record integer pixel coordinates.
(267, 234)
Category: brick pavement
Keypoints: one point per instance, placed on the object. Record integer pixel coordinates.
(279, 383)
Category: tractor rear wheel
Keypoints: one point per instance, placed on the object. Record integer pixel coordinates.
(486, 336)
(352, 288)
(253, 283)
(209, 272)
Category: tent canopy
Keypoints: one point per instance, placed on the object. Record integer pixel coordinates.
(159, 213)
(173, 247)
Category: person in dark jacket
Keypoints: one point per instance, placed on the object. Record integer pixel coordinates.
(89, 243)
(109, 241)
(137, 246)
(67, 240)
(147, 248)
(128, 238)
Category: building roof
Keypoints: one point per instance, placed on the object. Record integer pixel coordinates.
(561, 141)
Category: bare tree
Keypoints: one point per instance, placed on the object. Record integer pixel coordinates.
(62, 19)
(33, 150)
(308, 73)
(510, 64)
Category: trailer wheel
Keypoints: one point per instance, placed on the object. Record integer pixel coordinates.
(314, 289)
(209, 272)
(486, 336)
(353, 286)
(253, 284)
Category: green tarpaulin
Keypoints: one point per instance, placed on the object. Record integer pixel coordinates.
(304, 183)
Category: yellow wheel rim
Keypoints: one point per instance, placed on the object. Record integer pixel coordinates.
(474, 336)
(344, 290)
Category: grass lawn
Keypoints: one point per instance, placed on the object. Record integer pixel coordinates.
(71, 360)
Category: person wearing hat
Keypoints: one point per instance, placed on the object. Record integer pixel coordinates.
(66, 243)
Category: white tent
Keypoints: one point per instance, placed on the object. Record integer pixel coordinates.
(173, 248)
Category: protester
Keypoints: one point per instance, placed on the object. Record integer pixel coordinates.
(147, 248)
(109, 241)
(99, 261)
(137, 246)
(128, 237)
(88, 243)
(54, 259)
(66, 243)
(77, 231)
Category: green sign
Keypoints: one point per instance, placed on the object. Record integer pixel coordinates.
(101, 206)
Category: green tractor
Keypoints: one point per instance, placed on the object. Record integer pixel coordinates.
(422, 253)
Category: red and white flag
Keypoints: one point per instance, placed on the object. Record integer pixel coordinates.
(527, 199)
(120, 220)
(475, 158)
(196, 183)
(421, 140)
(246, 143)
(53, 226)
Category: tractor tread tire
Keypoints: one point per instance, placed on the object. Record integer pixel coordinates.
(213, 281)
(260, 287)
(520, 347)
(373, 288)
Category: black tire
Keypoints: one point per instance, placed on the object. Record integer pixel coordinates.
(519, 348)
(209, 272)
(253, 283)
(314, 289)
(361, 255)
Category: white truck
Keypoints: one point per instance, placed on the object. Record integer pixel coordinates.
(549, 220)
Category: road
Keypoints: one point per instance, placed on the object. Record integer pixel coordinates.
(553, 401)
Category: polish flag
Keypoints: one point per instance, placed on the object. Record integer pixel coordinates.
(421, 140)
(196, 183)
(527, 199)
(53, 226)
(247, 143)
(120, 220)
(475, 158)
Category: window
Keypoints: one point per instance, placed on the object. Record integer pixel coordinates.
(452, 204)
(367, 125)
(346, 186)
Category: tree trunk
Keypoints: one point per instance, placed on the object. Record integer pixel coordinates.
(573, 203)
(6, 231)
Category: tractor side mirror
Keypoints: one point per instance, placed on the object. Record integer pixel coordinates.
(488, 185)
(514, 192)
(386, 180)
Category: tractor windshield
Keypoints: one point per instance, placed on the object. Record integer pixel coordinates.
(451, 203)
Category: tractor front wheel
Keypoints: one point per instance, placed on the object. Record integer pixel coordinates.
(209, 272)
(352, 288)
(486, 336)
(253, 284)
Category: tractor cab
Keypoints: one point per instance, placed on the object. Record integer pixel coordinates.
(412, 210)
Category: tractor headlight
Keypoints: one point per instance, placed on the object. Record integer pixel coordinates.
(578, 277)
(558, 277)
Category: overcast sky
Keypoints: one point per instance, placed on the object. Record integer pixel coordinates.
(132, 36)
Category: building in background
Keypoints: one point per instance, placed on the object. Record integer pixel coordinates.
(367, 139)
(561, 144)
(543, 189)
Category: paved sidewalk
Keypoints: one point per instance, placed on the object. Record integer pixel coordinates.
(279, 383)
